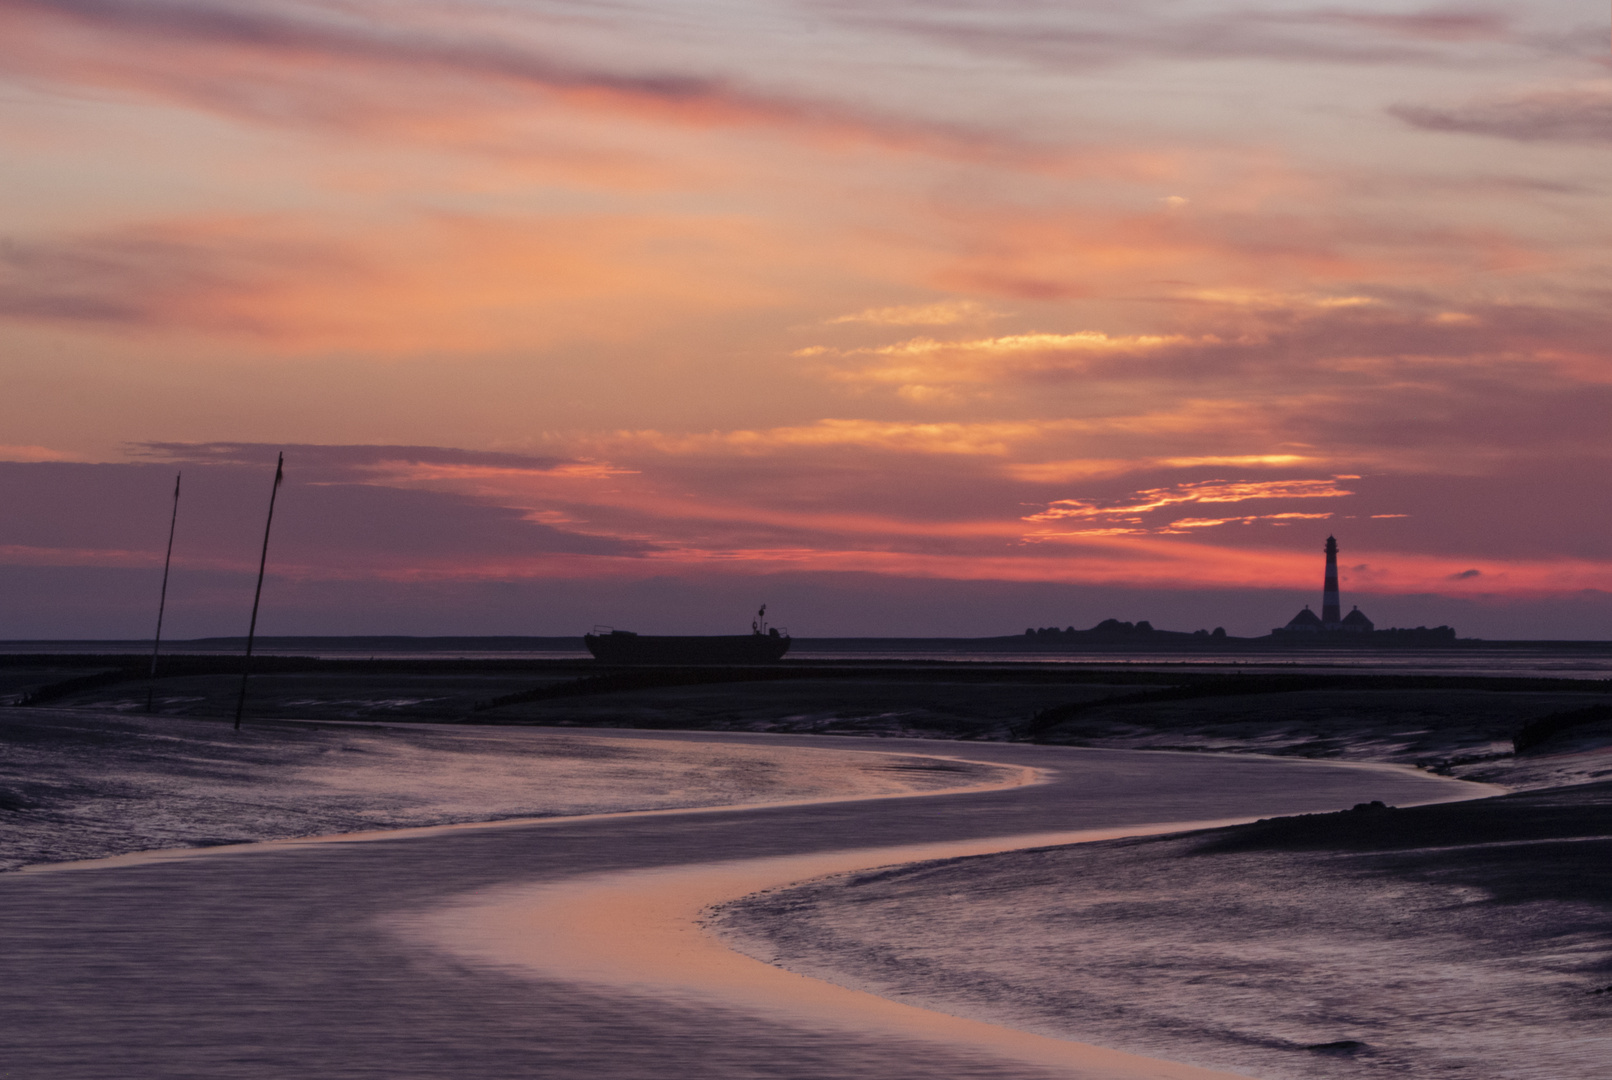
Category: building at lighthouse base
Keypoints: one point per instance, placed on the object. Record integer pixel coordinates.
(1329, 621)
(1308, 622)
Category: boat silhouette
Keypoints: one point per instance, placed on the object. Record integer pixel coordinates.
(761, 646)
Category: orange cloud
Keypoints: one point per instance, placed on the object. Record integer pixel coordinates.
(1055, 472)
(35, 453)
(439, 282)
(941, 313)
(1229, 249)
(990, 439)
(1211, 491)
(1182, 525)
(923, 363)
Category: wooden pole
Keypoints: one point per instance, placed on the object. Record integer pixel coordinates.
(263, 561)
(162, 601)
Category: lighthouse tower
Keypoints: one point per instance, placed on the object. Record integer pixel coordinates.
(1331, 615)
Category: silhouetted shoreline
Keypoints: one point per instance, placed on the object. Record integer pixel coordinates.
(1061, 640)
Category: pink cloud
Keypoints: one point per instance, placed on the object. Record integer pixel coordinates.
(35, 453)
(1095, 36)
(1210, 491)
(416, 515)
(450, 282)
(402, 70)
(1574, 114)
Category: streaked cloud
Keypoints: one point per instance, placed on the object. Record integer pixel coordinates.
(1451, 23)
(411, 70)
(346, 461)
(194, 273)
(1209, 491)
(34, 453)
(439, 281)
(1015, 344)
(1575, 114)
(1100, 35)
(1274, 460)
(1182, 525)
(992, 439)
(334, 518)
(922, 367)
(1058, 472)
(942, 313)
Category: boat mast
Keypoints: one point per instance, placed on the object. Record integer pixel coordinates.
(263, 561)
(162, 601)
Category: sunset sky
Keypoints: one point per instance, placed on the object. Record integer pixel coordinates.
(947, 317)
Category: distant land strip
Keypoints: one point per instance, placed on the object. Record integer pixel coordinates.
(1026, 644)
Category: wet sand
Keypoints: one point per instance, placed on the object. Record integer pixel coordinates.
(287, 961)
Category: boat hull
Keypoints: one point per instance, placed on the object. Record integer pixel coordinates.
(645, 649)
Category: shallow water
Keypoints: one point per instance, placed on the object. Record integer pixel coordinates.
(641, 930)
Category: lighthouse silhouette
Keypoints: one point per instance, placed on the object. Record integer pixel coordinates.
(1332, 616)
(1331, 608)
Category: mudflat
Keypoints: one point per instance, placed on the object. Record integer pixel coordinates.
(82, 784)
(1469, 939)
(273, 961)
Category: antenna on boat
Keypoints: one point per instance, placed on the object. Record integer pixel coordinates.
(263, 561)
(758, 625)
(162, 600)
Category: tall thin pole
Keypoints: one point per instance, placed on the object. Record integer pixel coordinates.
(263, 561)
(162, 602)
